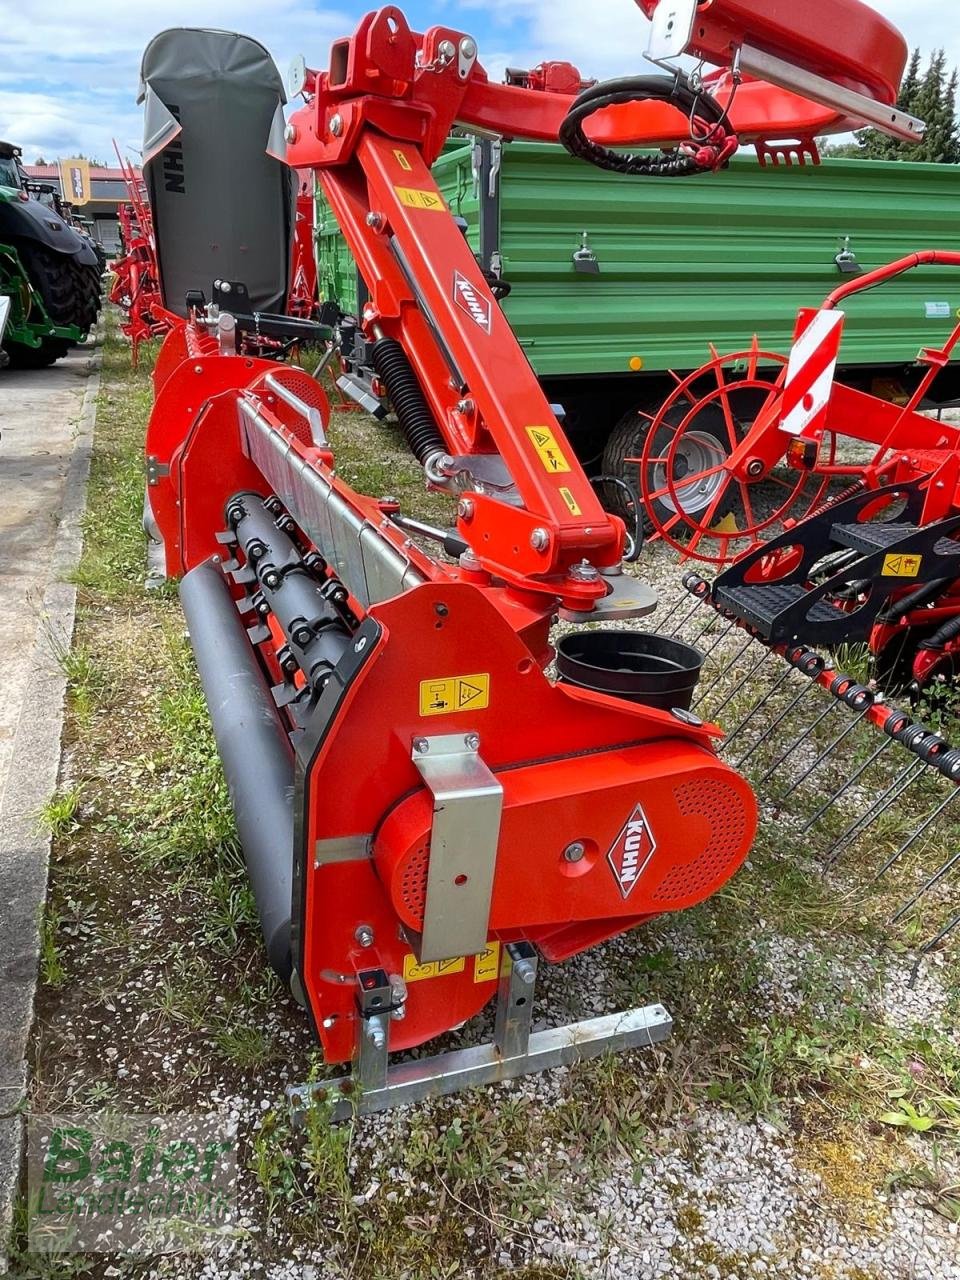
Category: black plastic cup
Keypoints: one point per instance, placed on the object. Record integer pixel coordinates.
(634, 665)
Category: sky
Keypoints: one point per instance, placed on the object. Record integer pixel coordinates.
(68, 81)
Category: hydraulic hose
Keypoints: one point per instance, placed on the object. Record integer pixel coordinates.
(413, 413)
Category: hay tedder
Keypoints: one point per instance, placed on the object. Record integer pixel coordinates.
(425, 812)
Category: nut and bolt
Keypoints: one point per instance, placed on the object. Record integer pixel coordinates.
(445, 50)
(336, 125)
(465, 406)
(575, 852)
(472, 741)
(290, 132)
(584, 572)
(540, 540)
(270, 578)
(470, 562)
(466, 509)
(755, 468)
(421, 746)
(374, 220)
(364, 935)
(376, 1035)
(468, 48)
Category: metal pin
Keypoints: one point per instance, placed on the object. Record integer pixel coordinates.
(842, 790)
(940, 874)
(807, 733)
(735, 733)
(921, 830)
(776, 724)
(905, 779)
(825, 754)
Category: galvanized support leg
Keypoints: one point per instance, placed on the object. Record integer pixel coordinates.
(513, 1052)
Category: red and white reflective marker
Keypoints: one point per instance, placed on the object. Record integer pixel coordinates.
(810, 373)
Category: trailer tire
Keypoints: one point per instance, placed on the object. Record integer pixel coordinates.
(625, 442)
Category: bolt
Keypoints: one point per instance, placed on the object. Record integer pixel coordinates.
(198, 368)
(584, 572)
(540, 540)
(469, 562)
(468, 48)
(364, 935)
(421, 746)
(376, 1035)
(466, 509)
(755, 467)
(360, 645)
(446, 49)
(374, 220)
(290, 133)
(271, 578)
(465, 406)
(336, 125)
(574, 852)
(472, 741)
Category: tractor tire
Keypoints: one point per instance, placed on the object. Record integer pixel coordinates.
(52, 275)
(49, 351)
(627, 440)
(88, 286)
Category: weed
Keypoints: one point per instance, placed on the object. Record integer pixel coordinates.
(58, 817)
(52, 970)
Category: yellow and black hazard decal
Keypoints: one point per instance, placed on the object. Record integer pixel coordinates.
(548, 450)
(486, 967)
(572, 505)
(901, 566)
(402, 161)
(415, 198)
(415, 972)
(448, 694)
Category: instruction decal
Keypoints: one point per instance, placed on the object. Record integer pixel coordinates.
(402, 161)
(449, 694)
(486, 967)
(902, 566)
(549, 452)
(415, 972)
(415, 198)
(572, 504)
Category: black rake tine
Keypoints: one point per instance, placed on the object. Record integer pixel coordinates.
(824, 755)
(764, 657)
(777, 684)
(724, 671)
(722, 636)
(810, 729)
(904, 779)
(674, 609)
(842, 791)
(932, 945)
(771, 729)
(940, 874)
(686, 618)
(920, 831)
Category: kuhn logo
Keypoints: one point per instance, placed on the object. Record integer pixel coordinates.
(468, 300)
(631, 852)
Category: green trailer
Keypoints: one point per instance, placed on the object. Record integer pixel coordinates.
(617, 282)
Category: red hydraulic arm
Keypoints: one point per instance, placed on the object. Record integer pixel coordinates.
(378, 118)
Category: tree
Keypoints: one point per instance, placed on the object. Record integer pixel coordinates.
(933, 97)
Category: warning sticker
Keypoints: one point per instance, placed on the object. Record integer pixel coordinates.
(415, 972)
(414, 198)
(902, 566)
(486, 967)
(402, 161)
(551, 455)
(571, 502)
(447, 694)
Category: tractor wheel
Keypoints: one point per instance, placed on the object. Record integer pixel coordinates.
(52, 275)
(49, 351)
(88, 285)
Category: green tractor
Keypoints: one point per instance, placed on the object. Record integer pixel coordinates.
(49, 275)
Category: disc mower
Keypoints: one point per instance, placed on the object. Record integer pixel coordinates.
(425, 812)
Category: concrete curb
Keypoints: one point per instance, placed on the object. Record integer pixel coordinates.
(33, 777)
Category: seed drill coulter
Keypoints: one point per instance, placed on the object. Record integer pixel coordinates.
(425, 813)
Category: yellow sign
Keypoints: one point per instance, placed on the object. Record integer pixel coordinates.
(75, 180)
(414, 198)
(414, 972)
(402, 161)
(486, 967)
(551, 455)
(571, 502)
(447, 694)
(902, 566)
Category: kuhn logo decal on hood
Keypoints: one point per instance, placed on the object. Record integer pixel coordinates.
(631, 852)
(469, 300)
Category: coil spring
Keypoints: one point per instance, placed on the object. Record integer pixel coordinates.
(413, 413)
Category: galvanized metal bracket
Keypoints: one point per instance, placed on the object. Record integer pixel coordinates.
(512, 1052)
(467, 807)
(156, 471)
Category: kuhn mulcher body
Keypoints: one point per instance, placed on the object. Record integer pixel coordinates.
(424, 812)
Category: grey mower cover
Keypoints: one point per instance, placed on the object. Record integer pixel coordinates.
(223, 199)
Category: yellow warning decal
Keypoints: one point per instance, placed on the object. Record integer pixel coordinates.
(571, 502)
(902, 566)
(415, 972)
(402, 161)
(550, 453)
(447, 694)
(414, 198)
(486, 967)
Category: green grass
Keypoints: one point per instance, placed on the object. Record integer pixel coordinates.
(58, 816)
